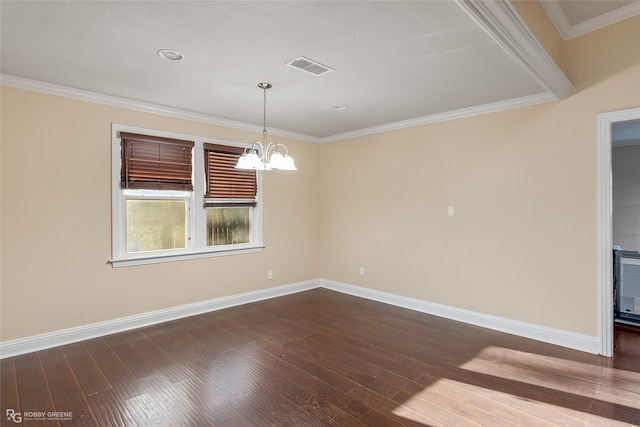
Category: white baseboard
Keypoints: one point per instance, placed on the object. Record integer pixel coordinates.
(559, 337)
(80, 333)
(67, 336)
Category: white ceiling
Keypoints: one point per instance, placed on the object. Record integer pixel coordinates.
(397, 63)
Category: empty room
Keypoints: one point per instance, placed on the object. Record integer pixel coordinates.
(320, 213)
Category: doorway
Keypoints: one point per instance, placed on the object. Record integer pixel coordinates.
(606, 121)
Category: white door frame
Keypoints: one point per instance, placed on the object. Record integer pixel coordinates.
(605, 232)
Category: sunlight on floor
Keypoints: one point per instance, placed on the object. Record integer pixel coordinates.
(435, 405)
(557, 374)
(451, 402)
(408, 414)
(522, 387)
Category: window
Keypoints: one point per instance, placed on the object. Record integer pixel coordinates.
(230, 196)
(180, 197)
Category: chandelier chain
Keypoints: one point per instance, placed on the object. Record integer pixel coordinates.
(264, 116)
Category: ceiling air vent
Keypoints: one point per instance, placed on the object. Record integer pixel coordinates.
(309, 66)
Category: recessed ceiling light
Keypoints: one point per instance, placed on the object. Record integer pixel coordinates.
(340, 107)
(170, 55)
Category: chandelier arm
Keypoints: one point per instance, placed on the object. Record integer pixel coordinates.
(272, 146)
(249, 147)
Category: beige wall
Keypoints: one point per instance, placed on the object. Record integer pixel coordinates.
(626, 197)
(523, 241)
(541, 26)
(56, 221)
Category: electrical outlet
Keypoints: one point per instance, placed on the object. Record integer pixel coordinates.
(269, 274)
(362, 271)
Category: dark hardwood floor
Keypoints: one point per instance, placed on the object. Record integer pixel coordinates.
(321, 358)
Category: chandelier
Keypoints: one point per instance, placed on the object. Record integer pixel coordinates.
(265, 155)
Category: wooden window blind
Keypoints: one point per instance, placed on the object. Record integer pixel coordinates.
(226, 182)
(155, 163)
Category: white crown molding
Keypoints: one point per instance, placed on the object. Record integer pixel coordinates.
(612, 17)
(67, 336)
(442, 117)
(84, 95)
(568, 31)
(557, 16)
(559, 337)
(506, 26)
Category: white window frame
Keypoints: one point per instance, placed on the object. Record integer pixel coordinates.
(196, 217)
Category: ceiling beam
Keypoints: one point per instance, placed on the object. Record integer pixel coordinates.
(507, 28)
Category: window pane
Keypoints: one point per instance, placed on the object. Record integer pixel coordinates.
(228, 226)
(154, 225)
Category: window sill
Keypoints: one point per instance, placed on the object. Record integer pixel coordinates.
(127, 262)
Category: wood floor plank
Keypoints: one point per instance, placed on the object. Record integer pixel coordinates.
(323, 402)
(201, 331)
(122, 380)
(393, 412)
(145, 410)
(265, 334)
(445, 412)
(379, 419)
(506, 410)
(179, 409)
(9, 393)
(212, 402)
(285, 401)
(388, 360)
(269, 344)
(161, 361)
(357, 375)
(110, 409)
(322, 358)
(232, 379)
(314, 369)
(33, 390)
(130, 356)
(306, 389)
(174, 347)
(87, 372)
(627, 348)
(65, 390)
